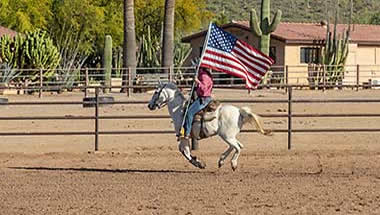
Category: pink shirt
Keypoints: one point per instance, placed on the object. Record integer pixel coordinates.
(205, 84)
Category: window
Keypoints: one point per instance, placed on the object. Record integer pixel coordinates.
(200, 51)
(272, 53)
(309, 55)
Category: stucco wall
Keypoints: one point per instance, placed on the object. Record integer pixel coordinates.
(195, 52)
(297, 72)
(368, 57)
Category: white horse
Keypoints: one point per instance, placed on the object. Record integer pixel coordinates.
(227, 123)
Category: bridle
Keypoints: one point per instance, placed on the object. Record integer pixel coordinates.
(163, 104)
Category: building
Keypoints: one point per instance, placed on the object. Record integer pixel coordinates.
(296, 46)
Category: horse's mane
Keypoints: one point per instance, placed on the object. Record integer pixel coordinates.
(173, 86)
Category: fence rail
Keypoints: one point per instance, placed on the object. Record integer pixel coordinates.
(304, 76)
(290, 101)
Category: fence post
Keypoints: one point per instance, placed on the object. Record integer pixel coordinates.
(130, 84)
(41, 84)
(290, 117)
(324, 78)
(86, 83)
(171, 72)
(286, 78)
(96, 118)
(357, 77)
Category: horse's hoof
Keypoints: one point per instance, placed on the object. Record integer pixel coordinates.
(220, 164)
(198, 163)
(202, 165)
(234, 166)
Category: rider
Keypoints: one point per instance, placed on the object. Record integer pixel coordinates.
(204, 84)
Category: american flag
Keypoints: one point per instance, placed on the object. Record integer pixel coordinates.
(225, 53)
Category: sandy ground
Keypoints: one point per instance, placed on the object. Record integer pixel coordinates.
(324, 173)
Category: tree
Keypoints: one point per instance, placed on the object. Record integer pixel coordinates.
(221, 18)
(78, 27)
(375, 19)
(190, 16)
(129, 48)
(25, 15)
(80, 19)
(168, 34)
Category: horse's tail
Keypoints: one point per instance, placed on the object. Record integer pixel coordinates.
(255, 119)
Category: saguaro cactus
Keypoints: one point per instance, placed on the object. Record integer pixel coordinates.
(264, 27)
(335, 52)
(107, 61)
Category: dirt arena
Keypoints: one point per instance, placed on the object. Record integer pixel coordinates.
(324, 173)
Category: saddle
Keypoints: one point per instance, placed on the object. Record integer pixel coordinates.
(207, 114)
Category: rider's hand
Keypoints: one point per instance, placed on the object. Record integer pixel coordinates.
(196, 79)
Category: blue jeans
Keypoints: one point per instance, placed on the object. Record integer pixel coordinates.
(194, 108)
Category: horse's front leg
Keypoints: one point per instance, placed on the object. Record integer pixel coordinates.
(184, 148)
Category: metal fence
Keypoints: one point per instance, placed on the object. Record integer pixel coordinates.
(138, 79)
(290, 115)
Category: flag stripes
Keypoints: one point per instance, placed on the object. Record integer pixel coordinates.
(225, 53)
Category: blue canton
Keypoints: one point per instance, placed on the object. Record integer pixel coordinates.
(221, 40)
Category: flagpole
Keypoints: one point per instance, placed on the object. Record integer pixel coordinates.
(196, 74)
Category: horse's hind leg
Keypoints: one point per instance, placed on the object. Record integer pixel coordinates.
(234, 143)
(224, 156)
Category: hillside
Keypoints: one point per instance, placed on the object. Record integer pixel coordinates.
(297, 10)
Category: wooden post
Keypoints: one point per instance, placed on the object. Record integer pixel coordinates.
(286, 78)
(324, 78)
(357, 77)
(41, 84)
(96, 119)
(130, 83)
(289, 118)
(86, 83)
(171, 74)
(110, 81)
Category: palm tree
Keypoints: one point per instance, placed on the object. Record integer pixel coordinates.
(129, 47)
(168, 37)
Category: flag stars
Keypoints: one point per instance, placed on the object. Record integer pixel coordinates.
(221, 40)
(225, 53)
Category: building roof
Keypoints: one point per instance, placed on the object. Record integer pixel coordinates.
(7, 31)
(289, 32)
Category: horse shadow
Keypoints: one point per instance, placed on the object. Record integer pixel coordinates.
(83, 169)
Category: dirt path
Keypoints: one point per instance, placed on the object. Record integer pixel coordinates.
(145, 183)
(337, 173)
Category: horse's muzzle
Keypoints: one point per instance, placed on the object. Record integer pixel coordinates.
(152, 107)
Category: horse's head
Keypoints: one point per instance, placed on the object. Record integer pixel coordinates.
(160, 97)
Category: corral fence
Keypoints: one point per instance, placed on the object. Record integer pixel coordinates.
(317, 77)
(290, 115)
